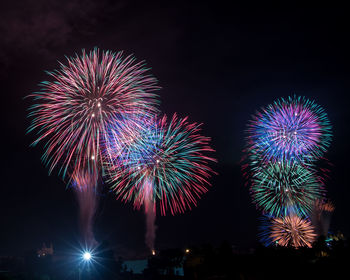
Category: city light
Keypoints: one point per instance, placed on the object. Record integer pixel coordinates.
(87, 256)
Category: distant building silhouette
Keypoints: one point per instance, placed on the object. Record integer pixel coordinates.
(45, 251)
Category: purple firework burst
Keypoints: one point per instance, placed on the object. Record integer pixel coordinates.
(290, 129)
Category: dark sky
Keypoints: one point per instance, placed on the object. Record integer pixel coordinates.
(217, 63)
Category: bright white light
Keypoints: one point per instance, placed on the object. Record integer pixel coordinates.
(98, 104)
(87, 256)
(92, 157)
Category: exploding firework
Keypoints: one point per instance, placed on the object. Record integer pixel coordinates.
(165, 162)
(284, 188)
(293, 129)
(130, 141)
(74, 108)
(289, 231)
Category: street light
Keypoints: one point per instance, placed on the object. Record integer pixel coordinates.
(85, 263)
(86, 256)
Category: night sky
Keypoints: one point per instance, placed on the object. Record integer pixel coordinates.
(216, 63)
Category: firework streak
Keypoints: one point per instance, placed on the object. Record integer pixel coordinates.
(85, 185)
(73, 111)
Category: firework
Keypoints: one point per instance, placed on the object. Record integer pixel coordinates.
(323, 205)
(162, 161)
(72, 110)
(126, 140)
(283, 188)
(289, 231)
(321, 216)
(293, 129)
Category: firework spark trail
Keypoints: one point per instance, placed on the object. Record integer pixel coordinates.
(150, 212)
(85, 185)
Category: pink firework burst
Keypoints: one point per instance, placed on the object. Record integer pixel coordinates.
(73, 109)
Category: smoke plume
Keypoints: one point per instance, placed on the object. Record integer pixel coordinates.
(150, 213)
(85, 190)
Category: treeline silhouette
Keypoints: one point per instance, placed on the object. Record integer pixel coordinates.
(325, 260)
